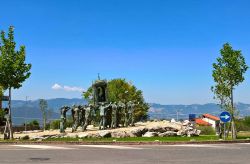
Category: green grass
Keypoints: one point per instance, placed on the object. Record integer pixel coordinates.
(138, 139)
(241, 136)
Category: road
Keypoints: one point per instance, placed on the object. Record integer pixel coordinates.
(109, 154)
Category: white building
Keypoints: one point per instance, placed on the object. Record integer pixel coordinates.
(213, 120)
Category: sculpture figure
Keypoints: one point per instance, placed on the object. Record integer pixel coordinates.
(88, 112)
(103, 111)
(114, 115)
(82, 111)
(63, 112)
(131, 108)
(121, 113)
(75, 115)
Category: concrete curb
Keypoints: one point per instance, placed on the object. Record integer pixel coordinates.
(122, 143)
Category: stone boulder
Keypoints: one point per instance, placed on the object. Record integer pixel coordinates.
(104, 134)
(83, 135)
(120, 134)
(168, 134)
(150, 134)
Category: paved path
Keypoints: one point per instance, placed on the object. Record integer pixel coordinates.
(125, 154)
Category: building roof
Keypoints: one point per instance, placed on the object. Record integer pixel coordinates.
(211, 117)
(199, 121)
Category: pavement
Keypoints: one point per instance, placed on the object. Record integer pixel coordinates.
(125, 154)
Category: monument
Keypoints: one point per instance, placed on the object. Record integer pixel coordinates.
(107, 114)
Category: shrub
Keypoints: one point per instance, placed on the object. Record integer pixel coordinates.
(55, 124)
(206, 130)
(2, 119)
(34, 124)
(243, 124)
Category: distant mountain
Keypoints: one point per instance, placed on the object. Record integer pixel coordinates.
(22, 110)
(30, 110)
(158, 111)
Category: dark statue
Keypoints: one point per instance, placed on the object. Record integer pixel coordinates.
(63, 112)
(110, 113)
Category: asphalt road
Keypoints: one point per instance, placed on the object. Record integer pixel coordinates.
(108, 154)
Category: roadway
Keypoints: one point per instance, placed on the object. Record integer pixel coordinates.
(141, 154)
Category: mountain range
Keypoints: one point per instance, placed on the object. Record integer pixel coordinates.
(29, 110)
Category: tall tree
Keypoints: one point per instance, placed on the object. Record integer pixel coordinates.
(13, 68)
(44, 109)
(228, 73)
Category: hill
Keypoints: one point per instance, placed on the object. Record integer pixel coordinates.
(29, 110)
(22, 110)
(158, 111)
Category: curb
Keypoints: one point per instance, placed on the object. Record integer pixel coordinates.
(122, 143)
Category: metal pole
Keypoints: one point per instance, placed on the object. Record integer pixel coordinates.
(224, 131)
(26, 114)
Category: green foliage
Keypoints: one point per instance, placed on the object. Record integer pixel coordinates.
(2, 119)
(1, 92)
(13, 69)
(243, 124)
(228, 73)
(121, 90)
(206, 130)
(55, 124)
(33, 123)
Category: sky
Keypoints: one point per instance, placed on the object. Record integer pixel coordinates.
(164, 47)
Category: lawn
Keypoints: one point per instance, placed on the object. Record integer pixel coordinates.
(139, 139)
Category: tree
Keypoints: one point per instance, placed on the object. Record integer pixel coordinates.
(44, 109)
(228, 73)
(13, 69)
(121, 90)
(1, 95)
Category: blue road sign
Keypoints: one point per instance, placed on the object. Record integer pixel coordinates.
(225, 117)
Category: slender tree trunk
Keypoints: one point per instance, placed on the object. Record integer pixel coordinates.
(10, 126)
(233, 123)
(44, 122)
(228, 128)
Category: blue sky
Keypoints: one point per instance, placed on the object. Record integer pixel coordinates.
(165, 47)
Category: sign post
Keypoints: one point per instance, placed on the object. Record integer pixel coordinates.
(225, 117)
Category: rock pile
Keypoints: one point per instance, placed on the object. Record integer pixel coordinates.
(148, 129)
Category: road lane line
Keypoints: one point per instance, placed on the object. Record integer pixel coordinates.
(111, 147)
(200, 146)
(42, 147)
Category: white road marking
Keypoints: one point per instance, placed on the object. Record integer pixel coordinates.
(201, 146)
(41, 147)
(110, 147)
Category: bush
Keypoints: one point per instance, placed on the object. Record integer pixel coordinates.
(2, 119)
(34, 124)
(55, 124)
(243, 124)
(206, 130)
(69, 122)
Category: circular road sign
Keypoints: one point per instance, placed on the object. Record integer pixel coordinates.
(225, 117)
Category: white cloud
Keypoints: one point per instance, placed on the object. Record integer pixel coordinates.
(56, 87)
(73, 89)
(67, 88)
